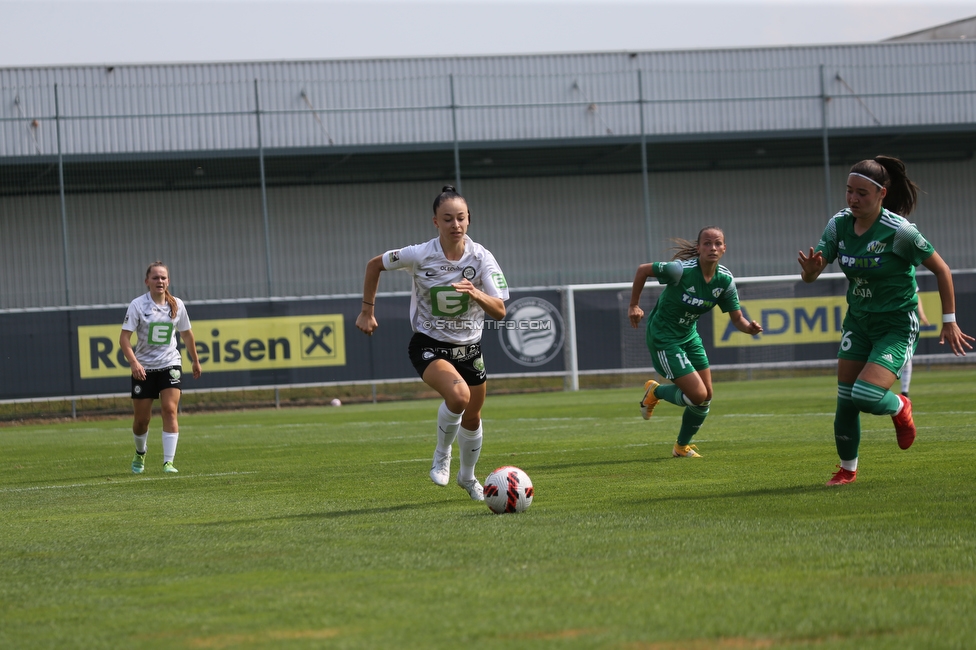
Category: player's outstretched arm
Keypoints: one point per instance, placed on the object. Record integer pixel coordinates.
(958, 341)
(634, 312)
(750, 327)
(366, 321)
(812, 264)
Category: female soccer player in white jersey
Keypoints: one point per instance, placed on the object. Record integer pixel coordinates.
(878, 250)
(456, 282)
(695, 283)
(157, 367)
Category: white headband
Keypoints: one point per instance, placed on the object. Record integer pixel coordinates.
(870, 179)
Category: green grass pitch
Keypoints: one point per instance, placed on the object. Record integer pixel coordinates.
(319, 528)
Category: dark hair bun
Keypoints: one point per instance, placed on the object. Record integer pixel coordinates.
(448, 188)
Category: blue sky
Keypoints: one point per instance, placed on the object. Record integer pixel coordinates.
(78, 32)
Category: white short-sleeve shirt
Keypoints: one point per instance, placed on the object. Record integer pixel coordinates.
(155, 331)
(436, 309)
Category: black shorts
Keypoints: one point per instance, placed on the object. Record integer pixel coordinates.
(156, 381)
(466, 359)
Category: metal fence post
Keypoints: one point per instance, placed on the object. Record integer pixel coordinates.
(644, 175)
(64, 210)
(457, 150)
(264, 190)
(572, 357)
(826, 150)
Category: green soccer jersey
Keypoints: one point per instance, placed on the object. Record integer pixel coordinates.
(880, 264)
(685, 298)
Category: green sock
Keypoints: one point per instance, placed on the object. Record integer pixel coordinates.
(670, 393)
(847, 423)
(874, 399)
(691, 422)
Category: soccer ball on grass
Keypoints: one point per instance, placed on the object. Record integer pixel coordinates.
(508, 489)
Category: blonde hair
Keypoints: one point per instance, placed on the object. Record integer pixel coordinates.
(688, 250)
(169, 297)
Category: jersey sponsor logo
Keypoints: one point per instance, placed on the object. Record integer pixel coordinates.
(692, 301)
(856, 262)
(228, 345)
(876, 247)
(447, 301)
(801, 321)
(160, 333)
(453, 268)
(499, 281)
(533, 346)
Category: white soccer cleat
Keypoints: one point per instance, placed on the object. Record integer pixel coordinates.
(475, 491)
(440, 470)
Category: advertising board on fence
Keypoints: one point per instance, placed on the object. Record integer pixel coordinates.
(71, 352)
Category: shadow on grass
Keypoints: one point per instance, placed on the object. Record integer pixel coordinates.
(766, 492)
(538, 468)
(333, 514)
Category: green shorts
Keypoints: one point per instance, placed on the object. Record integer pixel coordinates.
(888, 339)
(678, 360)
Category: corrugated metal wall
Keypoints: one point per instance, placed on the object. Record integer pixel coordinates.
(210, 107)
(134, 140)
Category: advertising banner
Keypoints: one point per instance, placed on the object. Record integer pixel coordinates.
(73, 352)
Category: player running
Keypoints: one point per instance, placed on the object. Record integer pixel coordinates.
(157, 367)
(456, 282)
(878, 250)
(695, 283)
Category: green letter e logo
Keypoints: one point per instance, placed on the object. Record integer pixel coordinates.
(160, 333)
(445, 301)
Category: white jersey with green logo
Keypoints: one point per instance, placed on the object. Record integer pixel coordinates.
(155, 347)
(436, 309)
(880, 264)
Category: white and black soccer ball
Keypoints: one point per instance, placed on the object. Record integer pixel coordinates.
(508, 489)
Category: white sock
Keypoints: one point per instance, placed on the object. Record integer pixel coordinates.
(906, 376)
(469, 443)
(447, 428)
(141, 442)
(849, 465)
(169, 446)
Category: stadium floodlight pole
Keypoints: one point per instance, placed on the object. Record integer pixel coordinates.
(826, 150)
(64, 211)
(457, 151)
(643, 146)
(264, 189)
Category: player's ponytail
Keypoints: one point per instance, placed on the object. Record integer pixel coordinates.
(902, 191)
(172, 304)
(684, 249)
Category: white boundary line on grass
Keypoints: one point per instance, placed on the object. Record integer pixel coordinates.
(113, 484)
